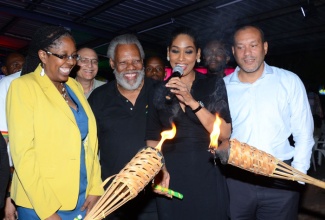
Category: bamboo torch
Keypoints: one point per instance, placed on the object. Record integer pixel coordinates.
(256, 161)
(126, 185)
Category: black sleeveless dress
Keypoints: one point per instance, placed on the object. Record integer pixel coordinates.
(193, 171)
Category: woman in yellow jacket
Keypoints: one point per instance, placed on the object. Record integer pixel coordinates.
(52, 133)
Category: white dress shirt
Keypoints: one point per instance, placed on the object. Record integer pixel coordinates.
(4, 86)
(265, 113)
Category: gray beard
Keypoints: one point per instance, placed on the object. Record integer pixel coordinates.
(124, 84)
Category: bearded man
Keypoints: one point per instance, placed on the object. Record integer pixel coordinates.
(120, 108)
(216, 56)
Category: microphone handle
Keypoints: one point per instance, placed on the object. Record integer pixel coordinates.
(174, 74)
(169, 96)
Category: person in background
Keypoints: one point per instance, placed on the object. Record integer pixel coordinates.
(4, 170)
(120, 108)
(14, 62)
(52, 133)
(216, 56)
(88, 68)
(315, 107)
(155, 68)
(189, 167)
(267, 105)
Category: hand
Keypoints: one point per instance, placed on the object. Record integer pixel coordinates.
(89, 203)
(55, 216)
(222, 152)
(181, 90)
(162, 179)
(10, 210)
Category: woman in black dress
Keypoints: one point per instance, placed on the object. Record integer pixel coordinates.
(191, 168)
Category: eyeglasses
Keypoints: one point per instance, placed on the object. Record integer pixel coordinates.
(64, 56)
(158, 69)
(86, 61)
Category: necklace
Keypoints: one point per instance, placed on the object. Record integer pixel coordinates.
(64, 93)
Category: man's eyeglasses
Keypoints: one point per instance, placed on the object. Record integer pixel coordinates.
(64, 56)
(86, 61)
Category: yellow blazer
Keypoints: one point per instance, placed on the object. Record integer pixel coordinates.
(45, 144)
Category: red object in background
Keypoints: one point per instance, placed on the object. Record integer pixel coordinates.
(229, 70)
(168, 71)
(200, 69)
(12, 43)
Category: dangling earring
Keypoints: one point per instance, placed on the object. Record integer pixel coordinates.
(168, 58)
(42, 72)
(198, 60)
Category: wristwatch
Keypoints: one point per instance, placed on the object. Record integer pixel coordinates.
(201, 105)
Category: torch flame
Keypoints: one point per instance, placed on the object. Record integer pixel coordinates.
(215, 133)
(169, 134)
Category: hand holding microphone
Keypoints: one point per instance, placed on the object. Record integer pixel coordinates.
(177, 72)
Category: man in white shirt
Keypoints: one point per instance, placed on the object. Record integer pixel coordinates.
(12, 68)
(10, 209)
(267, 105)
(14, 62)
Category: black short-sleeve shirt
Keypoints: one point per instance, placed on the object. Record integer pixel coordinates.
(121, 130)
(121, 126)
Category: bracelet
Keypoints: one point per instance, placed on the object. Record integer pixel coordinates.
(197, 109)
(8, 194)
(201, 105)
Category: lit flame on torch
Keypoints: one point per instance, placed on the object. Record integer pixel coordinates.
(169, 134)
(214, 136)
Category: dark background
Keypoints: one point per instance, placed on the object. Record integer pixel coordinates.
(296, 42)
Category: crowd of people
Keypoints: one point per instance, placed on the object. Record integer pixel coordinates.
(63, 132)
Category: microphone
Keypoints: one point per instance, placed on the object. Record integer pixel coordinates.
(177, 72)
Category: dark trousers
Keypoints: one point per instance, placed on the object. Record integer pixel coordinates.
(262, 198)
